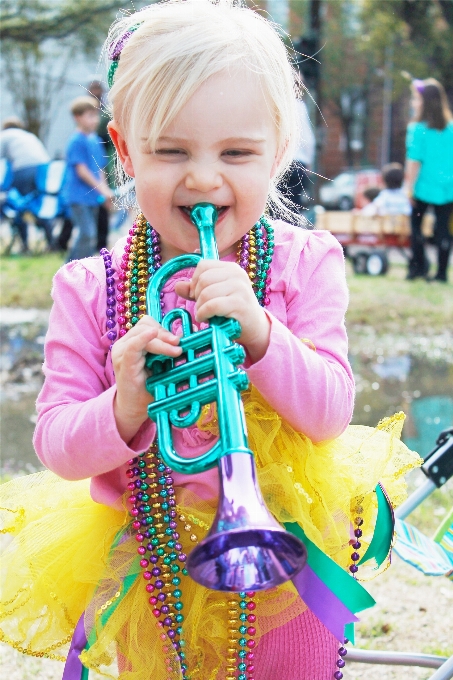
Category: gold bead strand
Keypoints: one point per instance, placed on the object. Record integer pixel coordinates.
(233, 637)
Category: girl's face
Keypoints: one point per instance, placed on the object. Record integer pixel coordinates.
(221, 148)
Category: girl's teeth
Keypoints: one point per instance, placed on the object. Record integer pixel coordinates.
(188, 208)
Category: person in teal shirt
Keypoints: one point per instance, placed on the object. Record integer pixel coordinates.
(429, 173)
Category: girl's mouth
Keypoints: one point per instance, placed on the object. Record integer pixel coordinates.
(221, 210)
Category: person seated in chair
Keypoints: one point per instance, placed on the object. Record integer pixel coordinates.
(25, 152)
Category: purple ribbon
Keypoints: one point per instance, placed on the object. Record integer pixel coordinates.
(324, 604)
(73, 667)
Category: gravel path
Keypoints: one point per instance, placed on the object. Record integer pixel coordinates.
(413, 613)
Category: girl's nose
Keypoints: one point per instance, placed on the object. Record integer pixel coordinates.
(203, 177)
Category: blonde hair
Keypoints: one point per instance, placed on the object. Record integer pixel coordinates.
(177, 46)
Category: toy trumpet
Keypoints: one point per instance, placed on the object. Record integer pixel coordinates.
(246, 548)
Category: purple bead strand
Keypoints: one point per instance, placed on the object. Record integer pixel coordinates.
(341, 663)
(111, 301)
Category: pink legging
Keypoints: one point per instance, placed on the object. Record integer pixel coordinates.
(303, 649)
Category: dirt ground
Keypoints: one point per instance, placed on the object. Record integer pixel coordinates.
(413, 612)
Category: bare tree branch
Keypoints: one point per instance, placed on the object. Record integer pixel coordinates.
(34, 22)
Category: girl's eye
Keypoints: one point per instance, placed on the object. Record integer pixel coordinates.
(237, 153)
(170, 152)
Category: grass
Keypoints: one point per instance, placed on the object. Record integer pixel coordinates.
(376, 628)
(390, 304)
(438, 651)
(26, 281)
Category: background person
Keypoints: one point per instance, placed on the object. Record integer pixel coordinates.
(25, 152)
(85, 186)
(429, 173)
(96, 89)
(369, 195)
(393, 199)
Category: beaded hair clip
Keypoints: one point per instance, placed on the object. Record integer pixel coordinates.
(115, 49)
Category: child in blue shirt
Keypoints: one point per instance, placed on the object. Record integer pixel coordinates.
(86, 186)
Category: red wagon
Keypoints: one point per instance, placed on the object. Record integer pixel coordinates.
(366, 240)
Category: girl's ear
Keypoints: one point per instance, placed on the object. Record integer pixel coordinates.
(121, 147)
(277, 161)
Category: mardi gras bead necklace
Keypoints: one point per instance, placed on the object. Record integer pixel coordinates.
(142, 257)
(152, 495)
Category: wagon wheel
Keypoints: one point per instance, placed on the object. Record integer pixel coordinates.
(377, 263)
(359, 261)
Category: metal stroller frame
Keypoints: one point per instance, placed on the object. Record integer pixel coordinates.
(438, 468)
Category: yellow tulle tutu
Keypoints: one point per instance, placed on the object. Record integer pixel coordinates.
(59, 561)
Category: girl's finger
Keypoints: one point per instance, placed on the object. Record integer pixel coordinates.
(137, 340)
(228, 277)
(182, 288)
(148, 321)
(158, 346)
(228, 306)
(211, 271)
(227, 289)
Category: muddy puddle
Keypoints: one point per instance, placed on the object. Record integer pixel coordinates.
(414, 375)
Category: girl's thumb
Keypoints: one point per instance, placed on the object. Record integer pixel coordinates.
(182, 288)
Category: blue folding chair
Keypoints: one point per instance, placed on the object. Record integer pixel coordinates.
(45, 203)
(6, 176)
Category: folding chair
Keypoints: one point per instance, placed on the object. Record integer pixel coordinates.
(431, 556)
(6, 175)
(45, 203)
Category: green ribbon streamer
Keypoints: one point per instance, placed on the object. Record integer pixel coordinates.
(349, 632)
(128, 582)
(383, 531)
(126, 585)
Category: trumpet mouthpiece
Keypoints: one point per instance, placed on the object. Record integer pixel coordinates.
(204, 214)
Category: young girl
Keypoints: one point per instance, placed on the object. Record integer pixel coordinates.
(203, 110)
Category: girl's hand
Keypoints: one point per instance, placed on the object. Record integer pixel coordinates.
(224, 289)
(128, 357)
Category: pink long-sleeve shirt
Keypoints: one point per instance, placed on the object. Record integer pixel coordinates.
(76, 435)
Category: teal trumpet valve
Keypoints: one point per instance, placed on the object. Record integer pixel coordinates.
(207, 371)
